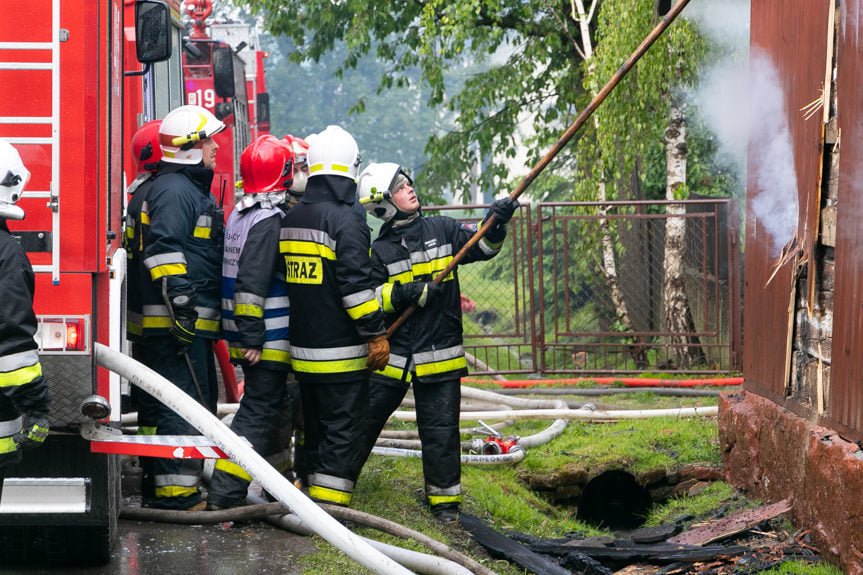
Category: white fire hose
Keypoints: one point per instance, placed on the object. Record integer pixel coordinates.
(278, 486)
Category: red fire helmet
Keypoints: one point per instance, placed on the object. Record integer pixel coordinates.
(145, 147)
(267, 165)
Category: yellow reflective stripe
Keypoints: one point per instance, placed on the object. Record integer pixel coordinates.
(394, 372)
(147, 430)
(130, 232)
(201, 232)
(432, 267)
(145, 218)
(38, 433)
(207, 325)
(316, 168)
(237, 353)
(153, 322)
(494, 246)
(20, 376)
(167, 270)
(366, 308)
(387, 298)
(276, 355)
(402, 278)
(7, 445)
(306, 248)
(337, 366)
(134, 328)
(441, 366)
(233, 469)
(175, 491)
(332, 495)
(248, 310)
(439, 499)
(339, 168)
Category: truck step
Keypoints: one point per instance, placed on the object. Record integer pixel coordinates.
(105, 439)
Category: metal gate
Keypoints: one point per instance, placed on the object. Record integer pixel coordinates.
(545, 306)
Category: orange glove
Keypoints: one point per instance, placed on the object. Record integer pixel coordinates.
(379, 353)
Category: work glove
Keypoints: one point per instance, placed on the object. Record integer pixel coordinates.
(379, 353)
(502, 210)
(34, 430)
(183, 326)
(419, 294)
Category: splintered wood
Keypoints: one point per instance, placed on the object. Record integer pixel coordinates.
(731, 525)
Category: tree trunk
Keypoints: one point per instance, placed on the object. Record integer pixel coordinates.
(608, 264)
(678, 316)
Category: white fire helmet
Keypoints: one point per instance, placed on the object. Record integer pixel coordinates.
(182, 133)
(334, 152)
(13, 177)
(376, 188)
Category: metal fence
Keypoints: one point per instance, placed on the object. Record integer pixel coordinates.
(544, 305)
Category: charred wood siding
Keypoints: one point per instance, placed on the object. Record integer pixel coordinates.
(793, 36)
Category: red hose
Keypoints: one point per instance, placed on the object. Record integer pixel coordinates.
(628, 381)
(233, 390)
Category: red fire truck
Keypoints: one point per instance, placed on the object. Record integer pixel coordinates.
(70, 106)
(224, 72)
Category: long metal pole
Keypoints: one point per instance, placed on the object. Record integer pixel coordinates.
(559, 145)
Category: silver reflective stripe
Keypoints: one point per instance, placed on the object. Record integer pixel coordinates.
(439, 355)
(307, 235)
(18, 360)
(277, 322)
(227, 303)
(432, 490)
(180, 480)
(165, 259)
(329, 353)
(399, 267)
(133, 317)
(204, 222)
(278, 344)
(11, 427)
(156, 311)
(331, 482)
(277, 302)
(398, 361)
(246, 298)
(488, 249)
(269, 323)
(431, 254)
(208, 313)
(358, 298)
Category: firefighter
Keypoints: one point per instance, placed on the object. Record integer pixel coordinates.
(179, 286)
(337, 326)
(255, 315)
(427, 350)
(146, 154)
(300, 148)
(24, 399)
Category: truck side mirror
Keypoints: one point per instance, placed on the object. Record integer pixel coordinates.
(223, 72)
(152, 31)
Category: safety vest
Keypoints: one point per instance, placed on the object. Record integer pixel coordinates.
(255, 306)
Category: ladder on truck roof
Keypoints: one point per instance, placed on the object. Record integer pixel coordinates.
(53, 192)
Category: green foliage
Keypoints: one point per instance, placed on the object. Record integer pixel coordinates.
(521, 57)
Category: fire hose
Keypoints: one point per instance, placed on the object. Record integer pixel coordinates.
(277, 485)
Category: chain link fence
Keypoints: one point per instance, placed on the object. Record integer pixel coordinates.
(580, 288)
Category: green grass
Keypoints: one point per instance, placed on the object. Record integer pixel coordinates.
(392, 487)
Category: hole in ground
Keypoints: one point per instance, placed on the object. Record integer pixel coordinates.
(615, 500)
